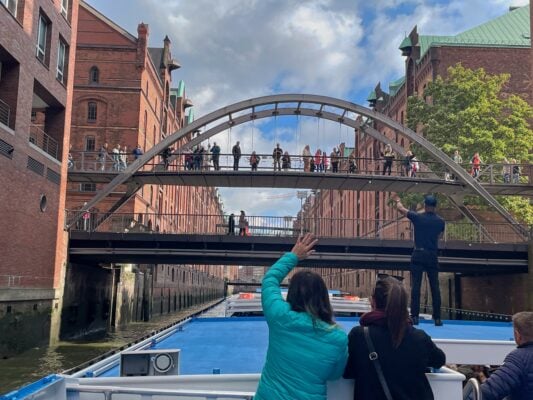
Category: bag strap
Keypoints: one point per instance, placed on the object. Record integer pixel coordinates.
(373, 356)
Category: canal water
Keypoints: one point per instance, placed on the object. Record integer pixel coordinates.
(41, 361)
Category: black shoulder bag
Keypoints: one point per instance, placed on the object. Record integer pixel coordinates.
(373, 356)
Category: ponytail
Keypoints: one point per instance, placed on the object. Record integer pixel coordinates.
(396, 313)
(391, 297)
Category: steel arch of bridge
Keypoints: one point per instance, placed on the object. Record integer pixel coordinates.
(274, 101)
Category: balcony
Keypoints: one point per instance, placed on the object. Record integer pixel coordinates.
(45, 142)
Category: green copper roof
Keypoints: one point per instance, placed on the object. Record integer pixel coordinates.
(372, 96)
(509, 30)
(348, 151)
(394, 86)
(181, 88)
(406, 42)
(190, 117)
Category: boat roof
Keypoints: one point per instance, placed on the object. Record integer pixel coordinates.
(239, 345)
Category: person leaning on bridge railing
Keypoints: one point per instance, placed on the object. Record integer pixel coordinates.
(428, 226)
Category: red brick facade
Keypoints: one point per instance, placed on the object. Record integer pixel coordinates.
(135, 103)
(35, 109)
(475, 292)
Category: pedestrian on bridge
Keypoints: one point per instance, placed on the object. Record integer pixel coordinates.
(254, 161)
(428, 226)
(215, 151)
(388, 156)
(236, 151)
(102, 155)
(276, 155)
(231, 224)
(286, 161)
(306, 155)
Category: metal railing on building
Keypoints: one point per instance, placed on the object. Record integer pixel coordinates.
(45, 142)
(5, 112)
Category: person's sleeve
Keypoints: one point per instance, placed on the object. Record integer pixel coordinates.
(505, 379)
(349, 371)
(340, 364)
(437, 358)
(273, 304)
(412, 216)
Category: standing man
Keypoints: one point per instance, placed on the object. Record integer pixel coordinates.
(276, 155)
(427, 226)
(137, 152)
(102, 154)
(236, 151)
(215, 151)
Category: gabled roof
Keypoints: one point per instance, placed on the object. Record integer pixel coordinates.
(509, 30)
(395, 86)
(372, 96)
(106, 20)
(156, 54)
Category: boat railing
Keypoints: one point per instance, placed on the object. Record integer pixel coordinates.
(110, 392)
(471, 391)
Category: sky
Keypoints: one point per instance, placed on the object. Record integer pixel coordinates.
(232, 50)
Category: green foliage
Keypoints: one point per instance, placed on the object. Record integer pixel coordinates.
(470, 112)
(520, 207)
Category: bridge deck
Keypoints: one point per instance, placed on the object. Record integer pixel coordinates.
(154, 248)
(300, 180)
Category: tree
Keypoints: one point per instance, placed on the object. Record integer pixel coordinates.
(469, 111)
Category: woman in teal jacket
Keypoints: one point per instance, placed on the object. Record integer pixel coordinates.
(306, 348)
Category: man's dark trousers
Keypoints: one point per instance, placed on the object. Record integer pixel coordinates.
(424, 260)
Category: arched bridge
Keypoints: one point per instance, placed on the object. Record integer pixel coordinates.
(288, 104)
(300, 180)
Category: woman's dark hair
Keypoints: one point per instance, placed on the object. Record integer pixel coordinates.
(308, 293)
(390, 296)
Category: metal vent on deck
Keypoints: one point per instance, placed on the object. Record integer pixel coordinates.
(53, 176)
(6, 149)
(35, 166)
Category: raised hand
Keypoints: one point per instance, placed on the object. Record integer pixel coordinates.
(304, 246)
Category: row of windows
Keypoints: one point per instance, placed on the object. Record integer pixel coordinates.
(12, 6)
(43, 46)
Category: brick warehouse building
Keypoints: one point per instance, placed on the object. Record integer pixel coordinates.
(36, 59)
(123, 95)
(501, 45)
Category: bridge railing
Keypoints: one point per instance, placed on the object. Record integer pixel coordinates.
(287, 226)
(94, 161)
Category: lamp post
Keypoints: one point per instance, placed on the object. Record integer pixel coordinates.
(301, 194)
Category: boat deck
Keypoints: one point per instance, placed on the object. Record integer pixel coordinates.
(238, 345)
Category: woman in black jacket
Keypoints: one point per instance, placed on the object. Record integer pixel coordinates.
(404, 352)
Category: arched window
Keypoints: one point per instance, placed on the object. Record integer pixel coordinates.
(94, 75)
(92, 111)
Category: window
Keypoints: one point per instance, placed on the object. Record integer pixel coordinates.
(88, 187)
(94, 75)
(62, 51)
(145, 121)
(42, 34)
(91, 111)
(11, 5)
(90, 143)
(64, 8)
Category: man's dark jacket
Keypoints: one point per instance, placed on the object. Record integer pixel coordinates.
(404, 367)
(514, 378)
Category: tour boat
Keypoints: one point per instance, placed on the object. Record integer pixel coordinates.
(214, 357)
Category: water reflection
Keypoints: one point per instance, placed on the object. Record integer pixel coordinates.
(41, 361)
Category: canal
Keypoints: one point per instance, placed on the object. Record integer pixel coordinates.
(41, 361)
